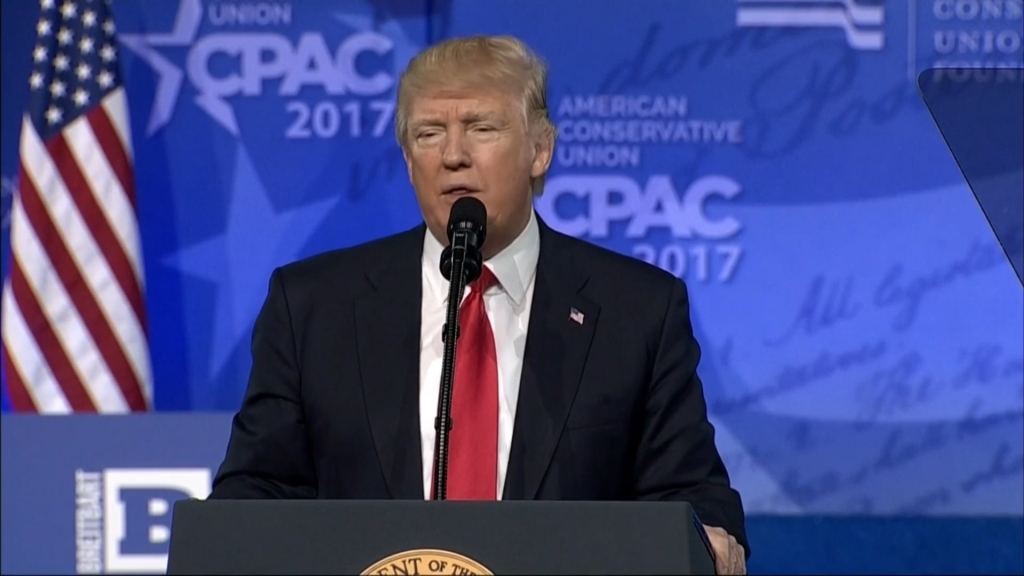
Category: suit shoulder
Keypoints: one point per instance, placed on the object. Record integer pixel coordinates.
(618, 268)
(350, 261)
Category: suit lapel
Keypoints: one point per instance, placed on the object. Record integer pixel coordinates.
(388, 337)
(561, 329)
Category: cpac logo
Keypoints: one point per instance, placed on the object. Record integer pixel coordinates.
(615, 198)
(223, 65)
(133, 507)
(861, 24)
(308, 64)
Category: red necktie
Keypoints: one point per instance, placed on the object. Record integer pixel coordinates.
(473, 443)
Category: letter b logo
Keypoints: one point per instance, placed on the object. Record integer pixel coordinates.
(137, 505)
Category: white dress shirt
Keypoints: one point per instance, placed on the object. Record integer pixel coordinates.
(508, 308)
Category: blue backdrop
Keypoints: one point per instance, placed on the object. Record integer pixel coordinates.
(862, 330)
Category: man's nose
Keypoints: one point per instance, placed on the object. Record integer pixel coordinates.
(455, 153)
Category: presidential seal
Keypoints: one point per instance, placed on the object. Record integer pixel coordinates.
(427, 562)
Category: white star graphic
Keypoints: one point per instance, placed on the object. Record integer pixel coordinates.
(43, 27)
(86, 45)
(81, 97)
(108, 53)
(53, 115)
(186, 26)
(83, 71)
(65, 37)
(61, 62)
(39, 54)
(89, 19)
(68, 10)
(108, 26)
(35, 80)
(46, 4)
(57, 88)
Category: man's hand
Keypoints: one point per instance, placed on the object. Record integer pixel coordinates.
(730, 558)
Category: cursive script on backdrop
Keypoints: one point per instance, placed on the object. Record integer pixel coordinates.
(829, 302)
(904, 292)
(903, 386)
(825, 304)
(814, 88)
(651, 65)
(809, 89)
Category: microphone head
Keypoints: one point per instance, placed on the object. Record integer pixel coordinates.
(468, 214)
(467, 228)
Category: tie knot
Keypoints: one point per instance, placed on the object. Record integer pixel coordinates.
(485, 281)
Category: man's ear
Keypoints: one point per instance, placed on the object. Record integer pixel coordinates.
(543, 150)
(408, 162)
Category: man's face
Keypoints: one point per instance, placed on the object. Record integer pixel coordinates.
(473, 142)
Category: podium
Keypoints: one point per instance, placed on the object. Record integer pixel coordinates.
(430, 537)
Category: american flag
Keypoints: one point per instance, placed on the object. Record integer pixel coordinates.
(576, 316)
(74, 322)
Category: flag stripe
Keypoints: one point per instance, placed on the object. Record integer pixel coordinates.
(50, 347)
(84, 271)
(59, 310)
(107, 137)
(93, 215)
(116, 107)
(93, 158)
(77, 286)
(19, 394)
(23, 362)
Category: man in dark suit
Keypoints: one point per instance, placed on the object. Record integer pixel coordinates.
(576, 366)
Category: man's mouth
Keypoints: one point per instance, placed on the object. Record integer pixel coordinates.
(459, 190)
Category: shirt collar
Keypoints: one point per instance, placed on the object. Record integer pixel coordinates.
(514, 267)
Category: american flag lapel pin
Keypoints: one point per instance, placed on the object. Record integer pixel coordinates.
(576, 316)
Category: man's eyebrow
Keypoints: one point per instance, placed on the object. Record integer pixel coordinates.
(478, 116)
(469, 117)
(426, 121)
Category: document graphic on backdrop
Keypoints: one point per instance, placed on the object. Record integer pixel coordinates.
(861, 368)
(860, 328)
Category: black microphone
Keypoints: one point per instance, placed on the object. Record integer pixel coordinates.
(461, 263)
(467, 229)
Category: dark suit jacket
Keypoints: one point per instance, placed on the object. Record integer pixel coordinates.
(608, 410)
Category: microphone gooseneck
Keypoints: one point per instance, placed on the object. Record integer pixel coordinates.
(461, 263)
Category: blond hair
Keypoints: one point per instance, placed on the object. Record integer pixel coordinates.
(504, 63)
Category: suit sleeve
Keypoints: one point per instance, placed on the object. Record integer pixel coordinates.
(677, 458)
(267, 454)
